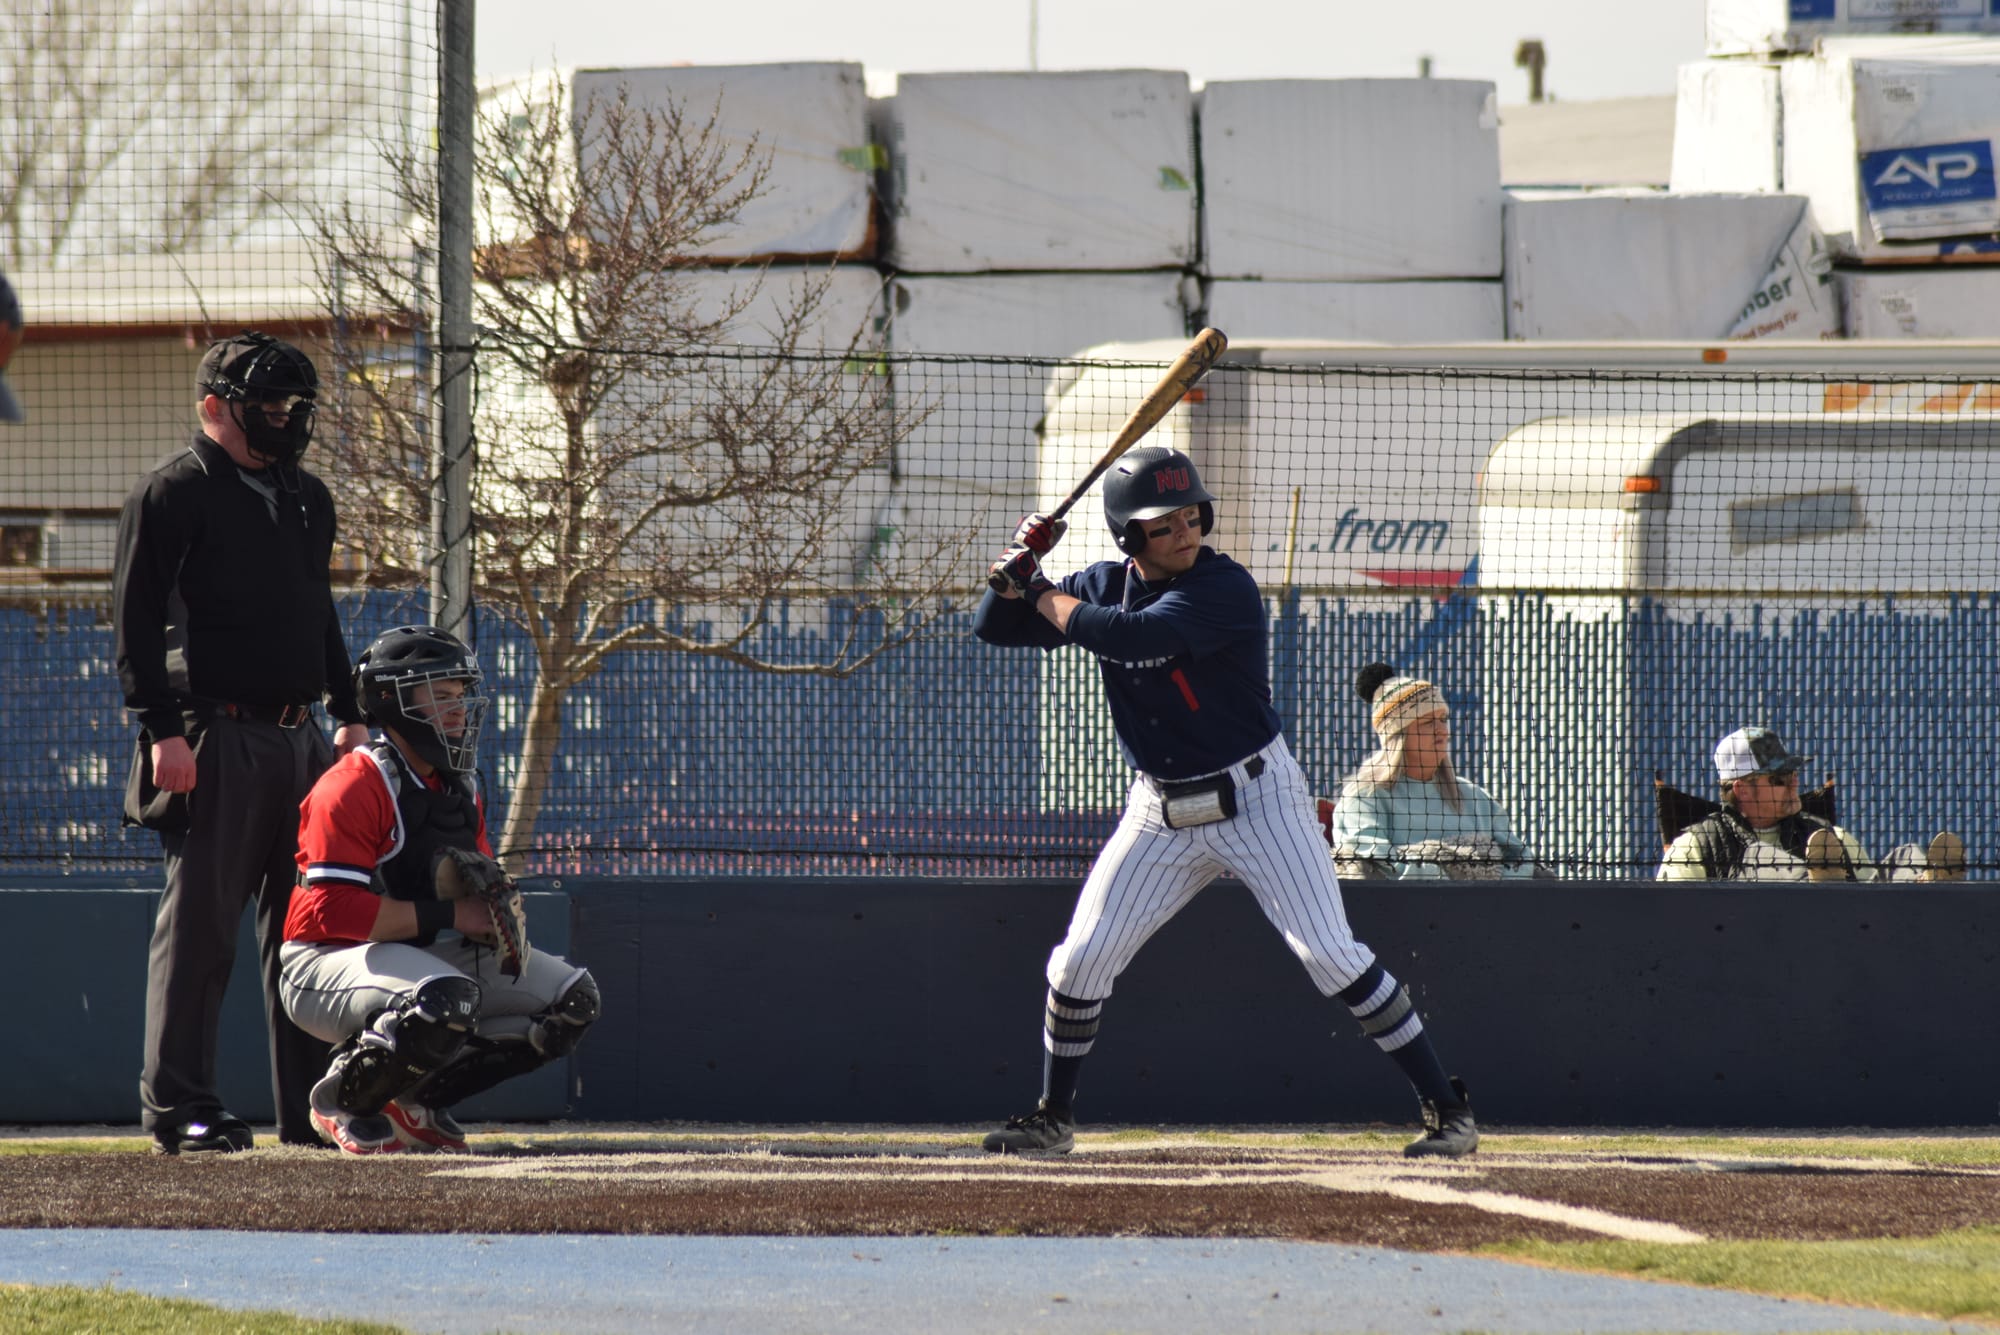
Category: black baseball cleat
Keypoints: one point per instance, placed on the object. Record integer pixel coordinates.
(1449, 1132)
(1043, 1131)
(220, 1133)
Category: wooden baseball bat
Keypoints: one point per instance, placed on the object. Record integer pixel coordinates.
(1182, 376)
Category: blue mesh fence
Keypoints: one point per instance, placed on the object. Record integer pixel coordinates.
(1564, 711)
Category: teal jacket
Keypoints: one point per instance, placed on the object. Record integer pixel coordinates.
(1374, 824)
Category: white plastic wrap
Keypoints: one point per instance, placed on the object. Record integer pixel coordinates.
(810, 120)
(1763, 27)
(1091, 170)
(1897, 152)
(972, 461)
(1653, 267)
(1728, 129)
(1350, 179)
(646, 405)
(1419, 311)
(1898, 302)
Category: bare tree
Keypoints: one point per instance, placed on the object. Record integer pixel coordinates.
(638, 461)
(150, 127)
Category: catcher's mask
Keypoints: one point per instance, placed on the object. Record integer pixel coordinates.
(254, 373)
(1147, 483)
(396, 681)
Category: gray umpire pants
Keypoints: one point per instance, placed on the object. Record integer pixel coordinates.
(240, 848)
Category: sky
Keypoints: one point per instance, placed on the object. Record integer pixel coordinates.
(1595, 48)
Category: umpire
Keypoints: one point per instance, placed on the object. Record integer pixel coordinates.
(226, 636)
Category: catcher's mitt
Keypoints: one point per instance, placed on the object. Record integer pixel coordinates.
(461, 873)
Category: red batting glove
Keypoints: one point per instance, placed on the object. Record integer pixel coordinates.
(1039, 533)
(1019, 570)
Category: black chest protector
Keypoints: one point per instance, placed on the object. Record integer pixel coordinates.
(433, 820)
(1724, 838)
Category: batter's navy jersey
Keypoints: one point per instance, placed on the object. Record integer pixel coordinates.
(1185, 661)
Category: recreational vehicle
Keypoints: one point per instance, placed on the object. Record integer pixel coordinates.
(1355, 466)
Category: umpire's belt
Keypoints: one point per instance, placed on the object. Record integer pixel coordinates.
(285, 716)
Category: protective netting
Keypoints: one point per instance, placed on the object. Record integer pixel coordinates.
(1809, 554)
(730, 521)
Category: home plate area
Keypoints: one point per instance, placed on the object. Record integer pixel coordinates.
(1113, 1185)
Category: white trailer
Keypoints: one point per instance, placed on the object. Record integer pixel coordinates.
(1750, 503)
(1652, 582)
(1351, 466)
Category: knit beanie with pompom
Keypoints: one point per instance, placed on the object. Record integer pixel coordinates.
(1394, 702)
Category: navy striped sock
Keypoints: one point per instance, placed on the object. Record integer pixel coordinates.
(1069, 1027)
(1383, 1007)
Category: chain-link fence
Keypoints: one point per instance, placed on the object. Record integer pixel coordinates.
(730, 520)
(1767, 549)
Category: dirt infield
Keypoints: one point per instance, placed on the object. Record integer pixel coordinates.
(1109, 1187)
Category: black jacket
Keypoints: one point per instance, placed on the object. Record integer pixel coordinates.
(1723, 839)
(214, 600)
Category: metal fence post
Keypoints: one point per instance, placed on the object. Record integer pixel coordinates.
(451, 495)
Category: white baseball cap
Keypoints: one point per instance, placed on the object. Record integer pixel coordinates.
(1750, 751)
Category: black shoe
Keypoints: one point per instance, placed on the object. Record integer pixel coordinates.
(1043, 1131)
(1449, 1132)
(221, 1133)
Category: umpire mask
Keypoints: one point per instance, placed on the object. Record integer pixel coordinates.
(409, 681)
(261, 377)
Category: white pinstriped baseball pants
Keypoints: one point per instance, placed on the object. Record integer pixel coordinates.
(1148, 872)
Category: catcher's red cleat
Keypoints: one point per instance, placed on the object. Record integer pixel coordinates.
(350, 1133)
(424, 1129)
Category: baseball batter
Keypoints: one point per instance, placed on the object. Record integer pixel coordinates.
(391, 952)
(1181, 641)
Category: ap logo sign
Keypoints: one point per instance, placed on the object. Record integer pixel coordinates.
(1906, 178)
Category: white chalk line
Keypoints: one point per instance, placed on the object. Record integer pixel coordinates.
(1411, 1187)
(1422, 1184)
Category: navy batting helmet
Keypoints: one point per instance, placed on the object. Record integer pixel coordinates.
(1146, 484)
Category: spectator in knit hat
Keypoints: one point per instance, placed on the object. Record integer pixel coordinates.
(1405, 813)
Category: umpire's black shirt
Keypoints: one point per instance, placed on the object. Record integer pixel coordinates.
(255, 605)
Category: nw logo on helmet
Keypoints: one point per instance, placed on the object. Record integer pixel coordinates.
(1171, 479)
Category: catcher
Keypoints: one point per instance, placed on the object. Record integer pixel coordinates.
(406, 946)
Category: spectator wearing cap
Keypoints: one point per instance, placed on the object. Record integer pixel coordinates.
(1406, 813)
(1761, 833)
(227, 638)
